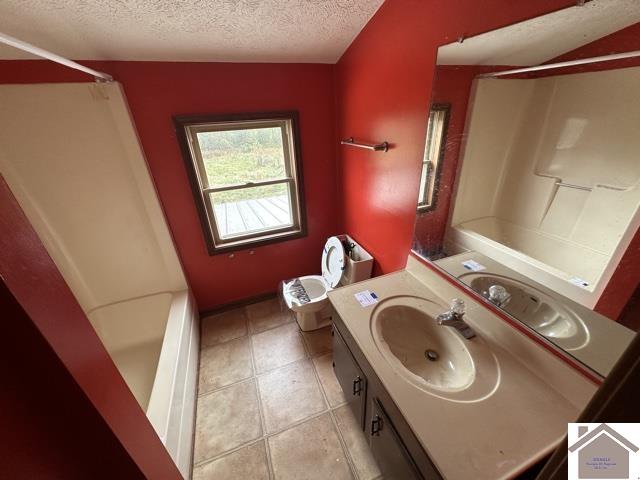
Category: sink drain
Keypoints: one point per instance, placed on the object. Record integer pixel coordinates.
(431, 355)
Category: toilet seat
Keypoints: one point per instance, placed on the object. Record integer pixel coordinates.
(315, 286)
(333, 261)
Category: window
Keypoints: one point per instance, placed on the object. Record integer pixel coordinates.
(433, 155)
(246, 176)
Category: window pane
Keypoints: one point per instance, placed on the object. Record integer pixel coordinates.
(434, 135)
(432, 153)
(424, 176)
(239, 156)
(252, 209)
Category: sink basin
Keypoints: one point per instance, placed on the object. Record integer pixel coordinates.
(535, 309)
(435, 358)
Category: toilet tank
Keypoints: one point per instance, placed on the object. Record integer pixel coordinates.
(359, 263)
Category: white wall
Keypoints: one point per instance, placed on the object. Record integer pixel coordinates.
(71, 156)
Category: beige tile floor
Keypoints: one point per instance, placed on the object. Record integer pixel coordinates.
(269, 405)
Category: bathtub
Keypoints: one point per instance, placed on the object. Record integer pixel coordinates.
(154, 342)
(569, 268)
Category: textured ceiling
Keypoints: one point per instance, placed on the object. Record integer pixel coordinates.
(190, 30)
(540, 39)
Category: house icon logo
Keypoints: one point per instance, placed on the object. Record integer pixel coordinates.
(604, 451)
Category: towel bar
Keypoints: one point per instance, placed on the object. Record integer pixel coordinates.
(378, 147)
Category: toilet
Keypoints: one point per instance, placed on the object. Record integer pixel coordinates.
(344, 262)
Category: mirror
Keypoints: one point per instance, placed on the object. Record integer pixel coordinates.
(530, 181)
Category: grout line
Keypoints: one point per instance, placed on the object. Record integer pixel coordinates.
(247, 302)
(267, 449)
(308, 347)
(304, 343)
(313, 416)
(306, 356)
(223, 387)
(207, 347)
(263, 422)
(202, 327)
(226, 387)
(271, 328)
(196, 401)
(324, 394)
(228, 452)
(343, 444)
(253, 369)
(288, 315)
(271, 370)
(341, 440)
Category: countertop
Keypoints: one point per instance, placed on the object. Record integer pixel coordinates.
(607, 339)
(494, 438)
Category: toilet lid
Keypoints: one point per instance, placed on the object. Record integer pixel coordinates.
(333, 261)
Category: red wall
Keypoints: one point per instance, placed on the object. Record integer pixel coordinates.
(623, 284)
(51, 430)
(625, 40)
(158, 90)
(383, 86)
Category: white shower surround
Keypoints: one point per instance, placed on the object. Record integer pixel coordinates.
(524, 135)
(71, 156)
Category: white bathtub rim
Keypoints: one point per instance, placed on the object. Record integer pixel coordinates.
(159, 408)
(130, 299)
(462, 229)
(464, 240)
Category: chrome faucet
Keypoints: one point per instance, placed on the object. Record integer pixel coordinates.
(453, 318)
(498, 295)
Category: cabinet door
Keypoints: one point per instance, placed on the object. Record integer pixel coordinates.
(350, 377)
(387, 447)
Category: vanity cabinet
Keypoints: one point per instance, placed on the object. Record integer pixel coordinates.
(394, 446)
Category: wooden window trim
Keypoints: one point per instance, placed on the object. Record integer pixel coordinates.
(444, 107)
(204, 207)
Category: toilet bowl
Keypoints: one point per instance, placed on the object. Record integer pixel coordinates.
(312, 314)
(307, 296)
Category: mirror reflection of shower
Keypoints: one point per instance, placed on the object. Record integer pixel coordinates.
(539, 171)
